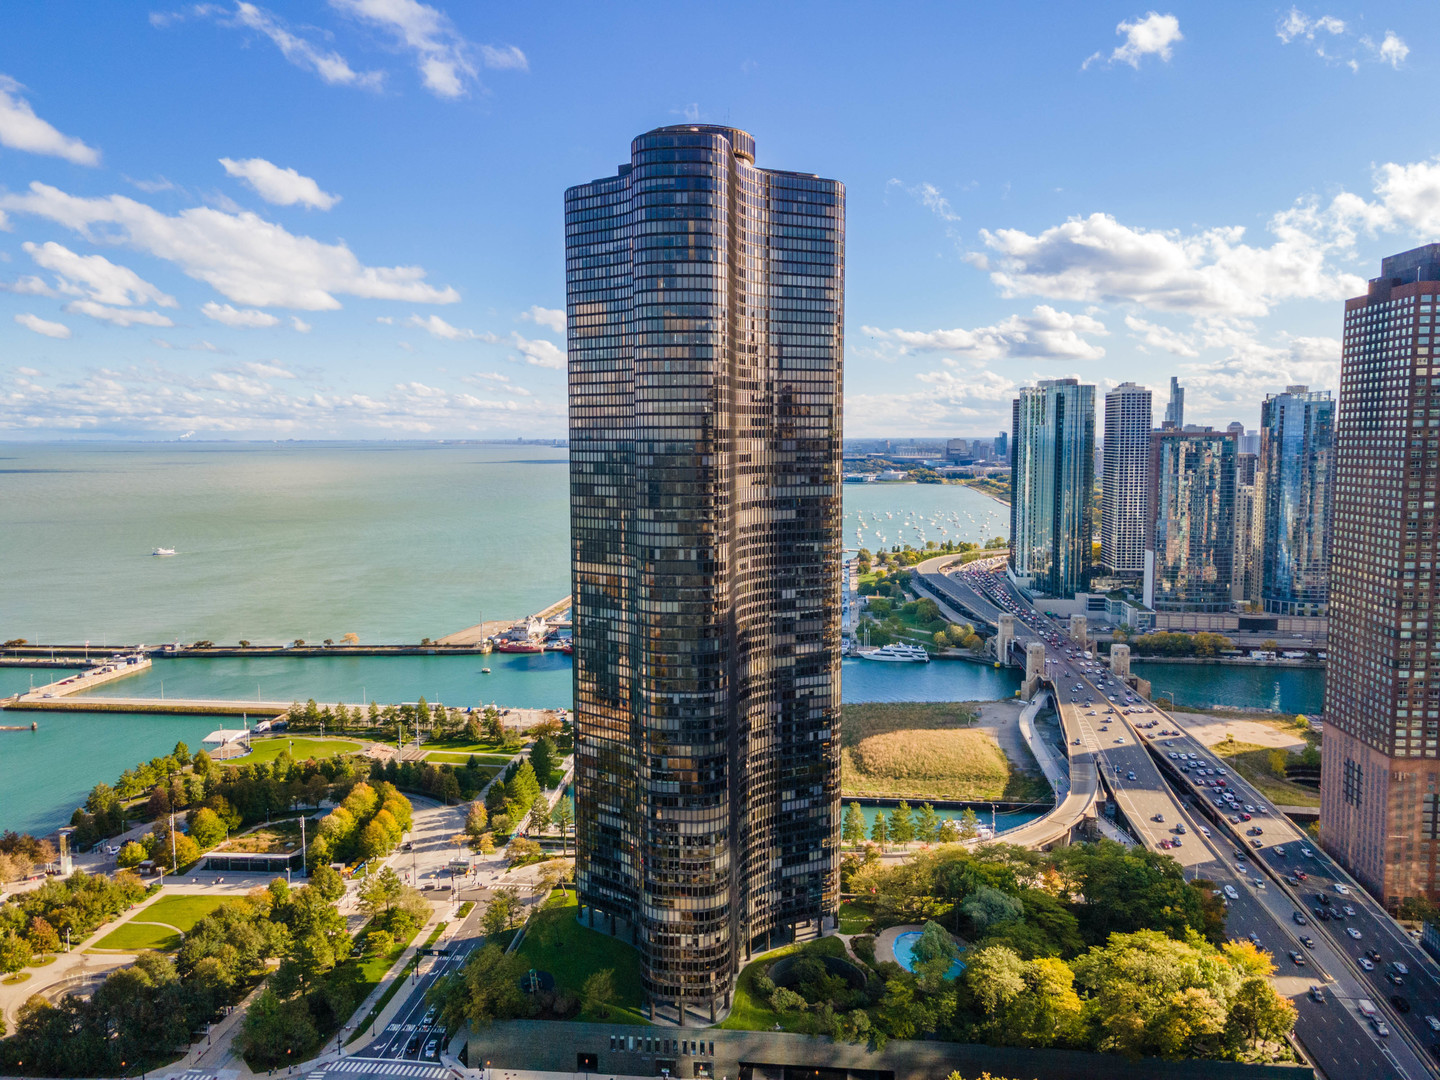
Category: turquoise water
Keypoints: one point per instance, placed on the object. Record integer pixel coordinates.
(905, 954)
(1290, 690)
(45, 774)
(1001, 819)
(14, 680)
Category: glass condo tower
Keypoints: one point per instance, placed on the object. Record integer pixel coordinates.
(705, 306)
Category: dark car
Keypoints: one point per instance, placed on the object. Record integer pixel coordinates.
(1373, 954)
(1307, 941)
(412, 1047)
(1402, 1004)
(1297, 959)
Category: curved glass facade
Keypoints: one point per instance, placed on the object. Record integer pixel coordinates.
(1052, 477)
(1297, 457)
(705, 303)
(1192, 512)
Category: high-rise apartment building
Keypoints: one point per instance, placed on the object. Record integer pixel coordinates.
(1051, 479)
(1190, 564)
(1175, 407)
(1125, 481)
(1379, 806)
(1297, 455)
(1002, 446)
(1249, 521)
(705, 304)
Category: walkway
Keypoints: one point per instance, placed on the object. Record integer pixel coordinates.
(1055, 770)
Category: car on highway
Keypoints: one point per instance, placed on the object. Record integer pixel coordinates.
(1256, 844)
(1229, 891)
(1204, 830)
(1259, 883)
(1373, 954)
(1434, 1022)
(1291, 879)
(1348, 909)
(1296, 958)
(1129, 776)
(1301, 874)
(1119, 741)
(432, 1050)
(1342, 888)
(1307, 853)
(1158, 817)
(1353, 932)
(1394, 979)
(1300, 919)
(1365, 963)
(412, 1046)
(1381, 1028)
(1399, 967)
(1317, 993)
(1307, 941)
(1402, 1005)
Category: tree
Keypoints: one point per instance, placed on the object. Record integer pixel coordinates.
(273, 1029)
(500, 915)
(42, 936)
(476, 820)
(206, 828)
(902, 825)
(1259, 1014)
(494, 726)
(131, 855)
(563, 817)
(949, 832)
(1277, 760)
(379, 891)
(539, 815)
(880, 831)
(853, 829)
(521, 850)
(927, 825)
(15, 952)
(987, 907)
(934, 951)
(969, 824)
(598, 992)
(542, 759)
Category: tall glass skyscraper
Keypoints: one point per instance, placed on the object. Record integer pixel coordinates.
(1297, 454)
(1379, 807)
(1052, 487)
(1125, 480)
(705, 304)
(1191, 562)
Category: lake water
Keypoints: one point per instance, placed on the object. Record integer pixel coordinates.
(45, 774)
(1289, 690)
(390, 541)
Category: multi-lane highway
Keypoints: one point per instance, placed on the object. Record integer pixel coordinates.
(1156, 797)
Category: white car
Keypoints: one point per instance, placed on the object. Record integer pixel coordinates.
(1259, 883)
(1353, 932)
(1364, 962)
(1204, 831)
(1434, 1022)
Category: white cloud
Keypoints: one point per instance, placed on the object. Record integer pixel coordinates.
(385, 320)
(929, 196)
(153, 187)
(197, 346)
(550, 318)
(30, 285)
(300, 325)
(438, 327)
(118, 316)
(328, 64)
(96, 276)
(540, 353)
(1096, 259)
(509, 58)
(21, 129)
(283, 187)
(1154, 336)
(42, 326)
(1333, 40)
(247, 318)
(262, 400)
(1044, 333)
(496, 377)
(244, 257)
(1154, 35)
(1392, 49)
(444, 58)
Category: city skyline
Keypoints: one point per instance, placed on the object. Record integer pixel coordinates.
(265, 275)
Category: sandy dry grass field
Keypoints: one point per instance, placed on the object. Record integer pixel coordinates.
(1253, 762)
(927, 749)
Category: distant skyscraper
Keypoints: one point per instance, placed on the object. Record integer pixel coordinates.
(1190, 565)
(1052, 482)
(1175, 408)
(1249, 536)
(1002, 446)
(1297, 454)
(1125, 480)
(1379, 808)
(705, 304)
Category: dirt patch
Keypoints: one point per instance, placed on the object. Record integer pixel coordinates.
(1213, 728)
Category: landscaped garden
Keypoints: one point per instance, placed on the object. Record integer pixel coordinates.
(156, 926)
(927, 749)
(300, 749)
(557, 942)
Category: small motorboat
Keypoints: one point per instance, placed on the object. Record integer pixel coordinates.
(163, 551)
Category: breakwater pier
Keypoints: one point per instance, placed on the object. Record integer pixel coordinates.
(118, 668)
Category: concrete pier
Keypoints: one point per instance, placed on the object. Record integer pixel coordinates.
(87, 680)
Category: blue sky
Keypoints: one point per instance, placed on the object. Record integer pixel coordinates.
(342, 218)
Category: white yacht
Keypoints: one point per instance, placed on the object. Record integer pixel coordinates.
(163, 551)
(898, 654)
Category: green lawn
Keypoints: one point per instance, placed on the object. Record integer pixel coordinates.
(470, 746)
(132, 936)
(855, 917)
(266, 750)
(556, 942)
(181, 911)
(750, 1011)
